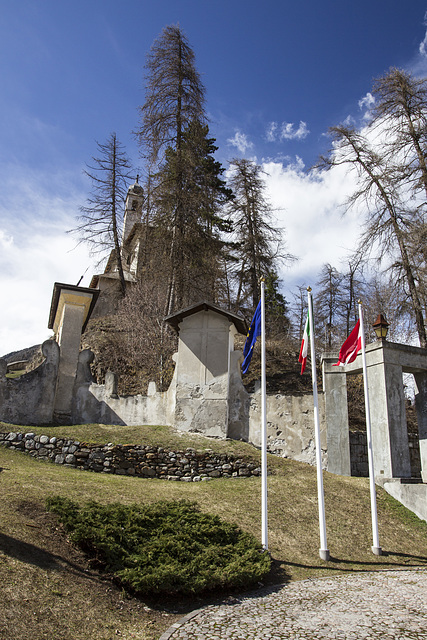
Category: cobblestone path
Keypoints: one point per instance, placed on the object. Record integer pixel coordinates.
(391, 605)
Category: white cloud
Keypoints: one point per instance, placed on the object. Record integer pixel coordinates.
(367, 101)
(309, 208)
(286, 131)
(271, 132)
(240, 141)
(418, 65)
(30, 265)
(35, 252)
(289, 133)
(423, 45)
(349, 121)
(5, 240)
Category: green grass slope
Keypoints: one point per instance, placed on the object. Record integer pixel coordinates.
(49, 589)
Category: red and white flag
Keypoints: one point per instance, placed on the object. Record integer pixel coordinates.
(304, 345)
(351, 347)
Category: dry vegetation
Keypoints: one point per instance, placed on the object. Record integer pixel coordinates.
(50, 591)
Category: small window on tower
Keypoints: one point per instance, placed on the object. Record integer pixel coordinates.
(134, 205)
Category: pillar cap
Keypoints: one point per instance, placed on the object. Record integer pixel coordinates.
(89, 297)
(175, 319)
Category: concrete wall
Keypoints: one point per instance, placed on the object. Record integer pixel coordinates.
(30, 398)
(290, 421)
(290, 426)
(412, 496)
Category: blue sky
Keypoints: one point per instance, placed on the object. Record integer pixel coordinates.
(277, 75)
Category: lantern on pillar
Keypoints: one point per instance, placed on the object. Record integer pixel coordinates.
(381, 327)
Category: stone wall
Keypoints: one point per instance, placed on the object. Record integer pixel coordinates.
(290, 423)
(359, 454)
(290, 426)
(30, 398)
(131, 460)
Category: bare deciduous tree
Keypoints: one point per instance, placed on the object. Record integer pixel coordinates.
(175, 95)
(99, 224)
(401, 107)
(391, 219)
(146, 343)
(328, 304)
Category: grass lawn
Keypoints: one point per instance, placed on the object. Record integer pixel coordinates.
(49, 590)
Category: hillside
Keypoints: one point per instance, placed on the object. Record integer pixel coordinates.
(49, 590)
(22, 354)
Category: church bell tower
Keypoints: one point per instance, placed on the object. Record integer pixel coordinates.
(133, 208)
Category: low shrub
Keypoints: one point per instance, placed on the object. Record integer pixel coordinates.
(165, 547)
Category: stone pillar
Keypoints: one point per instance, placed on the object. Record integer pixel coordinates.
(70, 311)
(386, 362)
(336, 415)
(421, 408)
(388, 417)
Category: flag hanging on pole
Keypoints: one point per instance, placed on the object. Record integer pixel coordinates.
(304, 344)
(253, 333)
(351, 347)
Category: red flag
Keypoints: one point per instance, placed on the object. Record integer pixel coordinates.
(351, 347)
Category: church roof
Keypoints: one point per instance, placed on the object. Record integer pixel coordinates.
(176, 318)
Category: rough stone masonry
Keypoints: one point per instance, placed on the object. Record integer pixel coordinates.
(188, 465)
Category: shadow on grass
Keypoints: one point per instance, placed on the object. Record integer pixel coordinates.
(397, 560)
(38, 557)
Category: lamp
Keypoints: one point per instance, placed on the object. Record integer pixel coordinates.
(381, 327)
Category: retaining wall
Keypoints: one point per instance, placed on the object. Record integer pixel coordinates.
(188, 465)
(359, 454)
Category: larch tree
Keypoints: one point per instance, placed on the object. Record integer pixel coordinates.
(100, 222)
(401, 107)
(299, 308)
(258, 244)
(352, 288)
(277, 321)
(391, 217)
(175, 99)
(328, 299)
(204, 193)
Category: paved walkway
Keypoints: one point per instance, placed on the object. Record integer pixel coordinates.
(391, 605)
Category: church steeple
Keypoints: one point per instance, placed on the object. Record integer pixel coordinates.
(133, 208)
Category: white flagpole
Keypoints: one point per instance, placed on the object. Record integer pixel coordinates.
(376, 549)
(264, 526)
(323, 551)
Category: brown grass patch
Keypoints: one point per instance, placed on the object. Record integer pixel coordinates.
(48, 589)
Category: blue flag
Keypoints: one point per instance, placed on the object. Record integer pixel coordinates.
(253, 333)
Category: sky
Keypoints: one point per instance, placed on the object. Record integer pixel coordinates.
(277, 75)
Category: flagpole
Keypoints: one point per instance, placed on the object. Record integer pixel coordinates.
(264, 526)
(323, 551)
(376, 549)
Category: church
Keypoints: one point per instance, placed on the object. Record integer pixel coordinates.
(132, 247)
